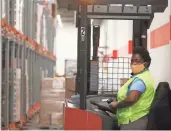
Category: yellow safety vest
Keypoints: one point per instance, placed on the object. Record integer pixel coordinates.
(142, 106)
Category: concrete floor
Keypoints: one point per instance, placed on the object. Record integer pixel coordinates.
(34, 125)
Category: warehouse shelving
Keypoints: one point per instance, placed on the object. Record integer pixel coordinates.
(25, 62)
(10, 31)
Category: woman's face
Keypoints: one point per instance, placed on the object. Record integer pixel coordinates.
(137, 64)
(136, 59)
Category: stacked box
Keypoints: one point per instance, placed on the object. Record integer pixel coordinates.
(57, 119)
(70, 67)
(52, 99)
(15, 84)
(69, 87)
(17, 88)
(53, 83)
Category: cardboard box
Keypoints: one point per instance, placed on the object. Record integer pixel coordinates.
(70, 87)
(70, 67)
(44, 119)
(70, 83)
(18, 100)
(49, 107)
(54, 83)
(52, 99)
(58, 95)
(16, 86)
(68, 94)
(57, 119)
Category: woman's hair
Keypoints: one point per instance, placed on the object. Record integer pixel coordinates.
(143, 53)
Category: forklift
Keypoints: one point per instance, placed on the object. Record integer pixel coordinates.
(90, 110)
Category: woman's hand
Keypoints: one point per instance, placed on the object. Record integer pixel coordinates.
(113, 104)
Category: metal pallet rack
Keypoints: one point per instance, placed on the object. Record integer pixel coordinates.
(23, 61)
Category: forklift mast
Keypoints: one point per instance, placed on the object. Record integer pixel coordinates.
(96, 38)
(141, 22)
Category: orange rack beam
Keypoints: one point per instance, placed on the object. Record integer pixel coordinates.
(11, 31)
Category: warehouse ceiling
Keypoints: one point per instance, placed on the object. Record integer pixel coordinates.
(73, 4)
(112, 9)
(69, 16)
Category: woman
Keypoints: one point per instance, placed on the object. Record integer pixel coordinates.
(136, 95)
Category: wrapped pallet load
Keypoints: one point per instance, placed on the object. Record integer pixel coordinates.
(52, 99)
(16, 87)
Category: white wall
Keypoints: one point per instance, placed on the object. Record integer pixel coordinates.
(125, 30)
(115, 33)
(103, 35)
(161, 56)
(66, 45)
(108, 35)
(161, 64)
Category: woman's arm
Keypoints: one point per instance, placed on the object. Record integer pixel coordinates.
(136, 89)
(130, 100)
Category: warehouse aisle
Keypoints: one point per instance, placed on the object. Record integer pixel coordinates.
(34, 125)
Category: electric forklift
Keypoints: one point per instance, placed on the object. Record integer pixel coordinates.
(89, 110)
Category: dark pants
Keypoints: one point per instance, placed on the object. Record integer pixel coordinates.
(140, 124)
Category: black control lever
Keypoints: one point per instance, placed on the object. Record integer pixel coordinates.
(109, 101)
(102, 107)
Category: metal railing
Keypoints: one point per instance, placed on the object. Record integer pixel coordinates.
(106, 77)
(112, 74)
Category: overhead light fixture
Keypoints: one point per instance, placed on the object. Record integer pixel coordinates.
(129, 5)
(59, 20)
(92, 21)
(50, 1)
(115, 4)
